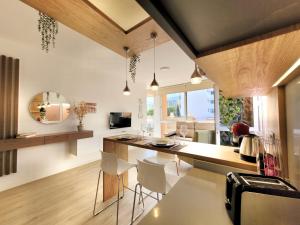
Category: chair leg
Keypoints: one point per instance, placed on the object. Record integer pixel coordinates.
(157, 196)
(135, 191)
(116, 201)
(99, 176)
(141, 195)
(122, 186)
(134, 200)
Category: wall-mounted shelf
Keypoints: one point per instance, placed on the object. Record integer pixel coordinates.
(71, 137)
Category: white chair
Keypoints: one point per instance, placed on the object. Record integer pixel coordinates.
(111, 165)
(160, 159)
(151, 176)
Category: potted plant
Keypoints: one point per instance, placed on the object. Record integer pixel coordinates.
(80, 110)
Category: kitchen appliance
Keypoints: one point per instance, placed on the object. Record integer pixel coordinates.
(249, 147)
(256, 199)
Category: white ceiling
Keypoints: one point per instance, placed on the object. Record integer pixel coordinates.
(170, 55)
(126, 13)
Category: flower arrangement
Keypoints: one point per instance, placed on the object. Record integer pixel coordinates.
(80, 110)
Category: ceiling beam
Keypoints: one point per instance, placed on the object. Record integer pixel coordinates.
(159, 14)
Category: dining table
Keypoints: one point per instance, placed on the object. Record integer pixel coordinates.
(211, 153)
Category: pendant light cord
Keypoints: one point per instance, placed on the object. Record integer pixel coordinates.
(126, 65)
(154, 55)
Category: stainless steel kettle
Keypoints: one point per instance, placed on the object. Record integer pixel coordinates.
(249, 147)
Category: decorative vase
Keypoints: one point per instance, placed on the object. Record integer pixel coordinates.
(80, 127)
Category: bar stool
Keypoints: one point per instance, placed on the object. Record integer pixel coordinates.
(153, 177)
(162, 161)
(111, 165)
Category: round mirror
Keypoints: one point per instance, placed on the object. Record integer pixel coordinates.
(49, 107)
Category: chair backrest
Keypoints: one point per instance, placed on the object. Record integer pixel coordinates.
(190, 126)
(109, 163)
(152, 176)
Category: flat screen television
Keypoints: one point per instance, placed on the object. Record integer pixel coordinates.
(119, 120)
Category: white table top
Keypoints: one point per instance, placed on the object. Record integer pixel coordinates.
(196, 199)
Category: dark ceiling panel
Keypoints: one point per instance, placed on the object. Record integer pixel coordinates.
(206, 25)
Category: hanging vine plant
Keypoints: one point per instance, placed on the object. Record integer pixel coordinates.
(134, 60)
(48, 27)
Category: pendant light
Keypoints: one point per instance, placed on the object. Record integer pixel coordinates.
(154, 84)
(196, 77)
(126, 90)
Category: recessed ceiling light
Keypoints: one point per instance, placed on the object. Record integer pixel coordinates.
(164, 68)
(287, 73)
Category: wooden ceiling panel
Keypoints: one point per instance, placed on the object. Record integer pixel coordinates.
(79, 16)
(139, 39)
(252, 69)
(82, 17)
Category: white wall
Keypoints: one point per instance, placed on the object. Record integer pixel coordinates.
(292, 99)
(79, 69)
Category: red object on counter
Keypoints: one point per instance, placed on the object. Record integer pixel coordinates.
(239, 129)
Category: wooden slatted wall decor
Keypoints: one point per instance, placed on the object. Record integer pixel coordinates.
(9, 98)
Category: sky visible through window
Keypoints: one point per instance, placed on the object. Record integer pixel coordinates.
(200, 104)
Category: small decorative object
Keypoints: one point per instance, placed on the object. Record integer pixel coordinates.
(132, 65)
(80, 110)
(91, 107)
(48, 27)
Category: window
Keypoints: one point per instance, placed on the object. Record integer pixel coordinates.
(175, 104)
(150, 106)
(200, 104)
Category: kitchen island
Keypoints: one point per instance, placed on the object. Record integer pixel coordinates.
(197, 199)
(218, 155)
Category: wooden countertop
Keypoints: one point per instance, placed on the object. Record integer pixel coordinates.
(223, 155)
(196, 199)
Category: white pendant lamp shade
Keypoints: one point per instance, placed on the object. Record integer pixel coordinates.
(126, 90)
(196, 77)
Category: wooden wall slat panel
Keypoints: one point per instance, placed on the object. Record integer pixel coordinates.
(2, 71)
(9, 95)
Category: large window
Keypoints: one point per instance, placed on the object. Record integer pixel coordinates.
(200, 104)
(150, 106)
(175, 105)
(197, 105)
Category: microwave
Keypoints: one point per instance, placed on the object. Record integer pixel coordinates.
(255, 199)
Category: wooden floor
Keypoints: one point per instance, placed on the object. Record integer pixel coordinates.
(67, 198)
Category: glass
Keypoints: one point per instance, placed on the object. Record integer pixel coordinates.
(175, 105)
(201, 104)
(49, 107)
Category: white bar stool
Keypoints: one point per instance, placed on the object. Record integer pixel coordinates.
(159, 159)
(153, 177)
(111, 165)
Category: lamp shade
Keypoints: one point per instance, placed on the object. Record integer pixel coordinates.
(154, 85)
(126, 90)
(196, 77)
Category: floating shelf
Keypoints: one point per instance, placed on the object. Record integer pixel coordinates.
(71, 137)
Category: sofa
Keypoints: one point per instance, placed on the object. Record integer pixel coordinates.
(198, 131)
